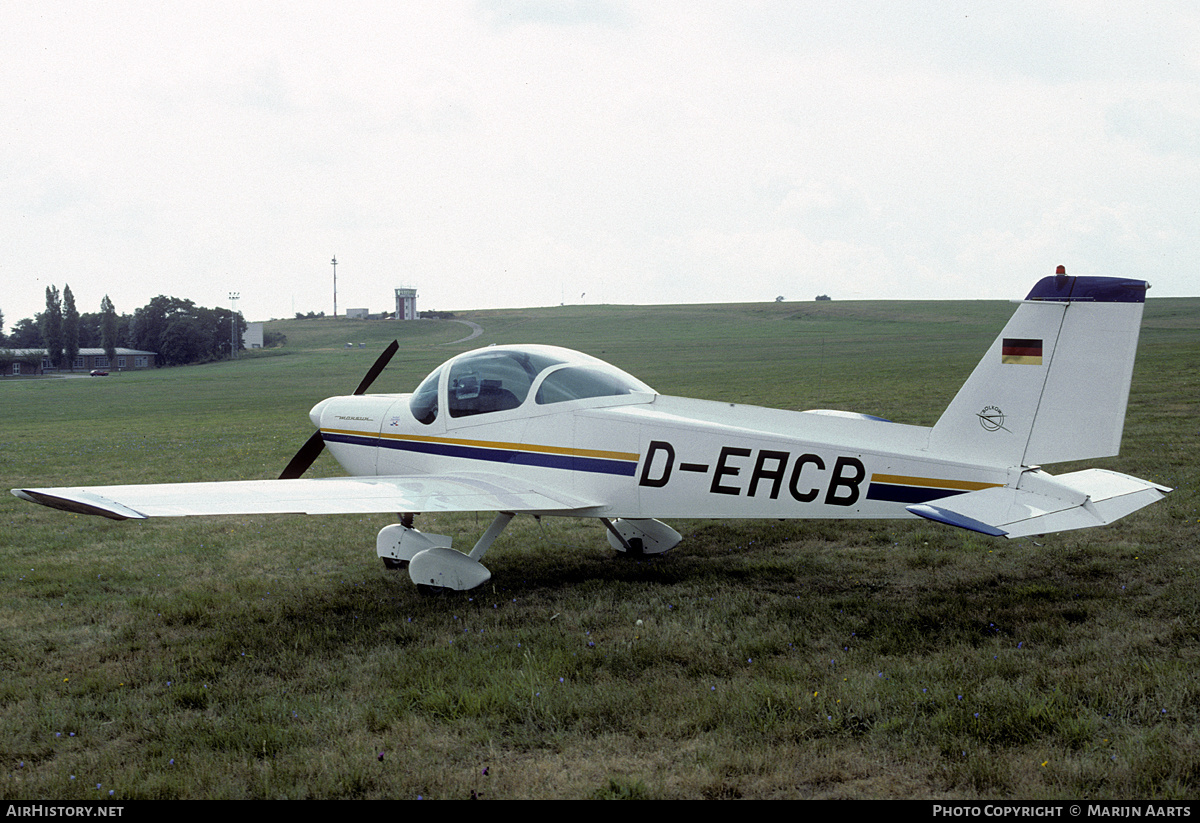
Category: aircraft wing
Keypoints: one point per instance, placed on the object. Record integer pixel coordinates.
(1042, 503)
(476, 491)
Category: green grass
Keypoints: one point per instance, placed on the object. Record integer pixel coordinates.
(259, 657)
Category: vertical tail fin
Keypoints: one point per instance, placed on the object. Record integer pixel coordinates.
(1054, 385)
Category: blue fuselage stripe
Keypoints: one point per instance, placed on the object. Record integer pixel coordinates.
(893, 493)
(599, 465)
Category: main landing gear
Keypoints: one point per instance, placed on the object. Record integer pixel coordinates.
(434, 566)
(640, 537)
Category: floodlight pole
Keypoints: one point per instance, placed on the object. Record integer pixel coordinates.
(335, 285)
(233, 341)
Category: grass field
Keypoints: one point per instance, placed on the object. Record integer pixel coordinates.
(265, 657)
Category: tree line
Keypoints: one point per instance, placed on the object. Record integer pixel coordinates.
(176, 330)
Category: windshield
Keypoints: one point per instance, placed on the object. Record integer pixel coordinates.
(424, 402)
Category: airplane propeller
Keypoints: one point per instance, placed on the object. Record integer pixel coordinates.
(313, 447)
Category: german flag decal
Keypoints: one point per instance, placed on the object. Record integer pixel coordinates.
(1021, 351)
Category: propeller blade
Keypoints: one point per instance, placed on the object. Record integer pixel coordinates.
(379, 366)
(304, 458)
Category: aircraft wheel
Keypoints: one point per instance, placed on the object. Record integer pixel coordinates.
(431, 591)
(391, 564)
(635, 548)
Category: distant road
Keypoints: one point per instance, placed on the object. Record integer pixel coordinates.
(476, 330)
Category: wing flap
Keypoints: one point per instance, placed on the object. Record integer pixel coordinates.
(1042, 503)
(329, 495)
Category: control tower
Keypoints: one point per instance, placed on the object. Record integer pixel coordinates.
(406, 304)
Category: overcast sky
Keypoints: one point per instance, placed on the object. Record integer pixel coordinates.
(531, 152)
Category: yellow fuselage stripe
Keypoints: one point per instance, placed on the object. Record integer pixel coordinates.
(931, 482)
(492, 444)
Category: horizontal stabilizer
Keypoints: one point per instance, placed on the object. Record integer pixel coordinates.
(1042, 503)
(476, 491)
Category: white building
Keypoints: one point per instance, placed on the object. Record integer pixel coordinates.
(253, 336)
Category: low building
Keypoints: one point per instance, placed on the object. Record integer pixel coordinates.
(37, 361)
(253, 336)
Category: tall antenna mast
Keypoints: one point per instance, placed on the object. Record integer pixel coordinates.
(335, 285)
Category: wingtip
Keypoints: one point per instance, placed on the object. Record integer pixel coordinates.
(79, 501)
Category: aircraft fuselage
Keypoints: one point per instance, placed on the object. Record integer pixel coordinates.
(643, 455)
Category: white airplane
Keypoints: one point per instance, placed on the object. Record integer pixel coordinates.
(543, 430)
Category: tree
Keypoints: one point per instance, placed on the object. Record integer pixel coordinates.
(1, 328)
(26, 334)
(182, 340)
(89, 330)
(108, 329)
(70, 328)
(149, 325)
(222, 328)
(51, 327)
(181, 332)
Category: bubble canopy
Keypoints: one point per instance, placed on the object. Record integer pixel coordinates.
(500, 378)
